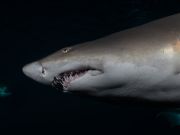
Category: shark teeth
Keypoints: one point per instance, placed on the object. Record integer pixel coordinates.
(64, 79)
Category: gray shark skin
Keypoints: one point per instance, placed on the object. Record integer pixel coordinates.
(141, 62)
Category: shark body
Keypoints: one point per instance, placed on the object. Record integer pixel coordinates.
(141, 62)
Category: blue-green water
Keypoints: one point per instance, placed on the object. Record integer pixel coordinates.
(171, 117)
(4, 92)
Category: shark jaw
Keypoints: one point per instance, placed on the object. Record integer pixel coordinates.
(65, 79)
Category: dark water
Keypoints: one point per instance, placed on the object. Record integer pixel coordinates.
(31, 30)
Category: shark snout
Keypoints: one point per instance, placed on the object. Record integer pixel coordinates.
(34, 71)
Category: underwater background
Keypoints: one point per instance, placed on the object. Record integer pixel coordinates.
(31, 30)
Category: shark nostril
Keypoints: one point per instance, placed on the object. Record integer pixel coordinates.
(43, 71)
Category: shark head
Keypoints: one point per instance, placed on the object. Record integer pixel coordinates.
(85, 68)
(141, 62)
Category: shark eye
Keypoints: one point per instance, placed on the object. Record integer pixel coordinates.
(66, 50)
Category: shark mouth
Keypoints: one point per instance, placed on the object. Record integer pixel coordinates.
(65, 78)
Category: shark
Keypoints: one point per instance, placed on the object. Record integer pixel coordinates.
(142, 62)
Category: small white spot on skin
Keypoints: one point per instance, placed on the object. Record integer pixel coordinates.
(168, 51)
